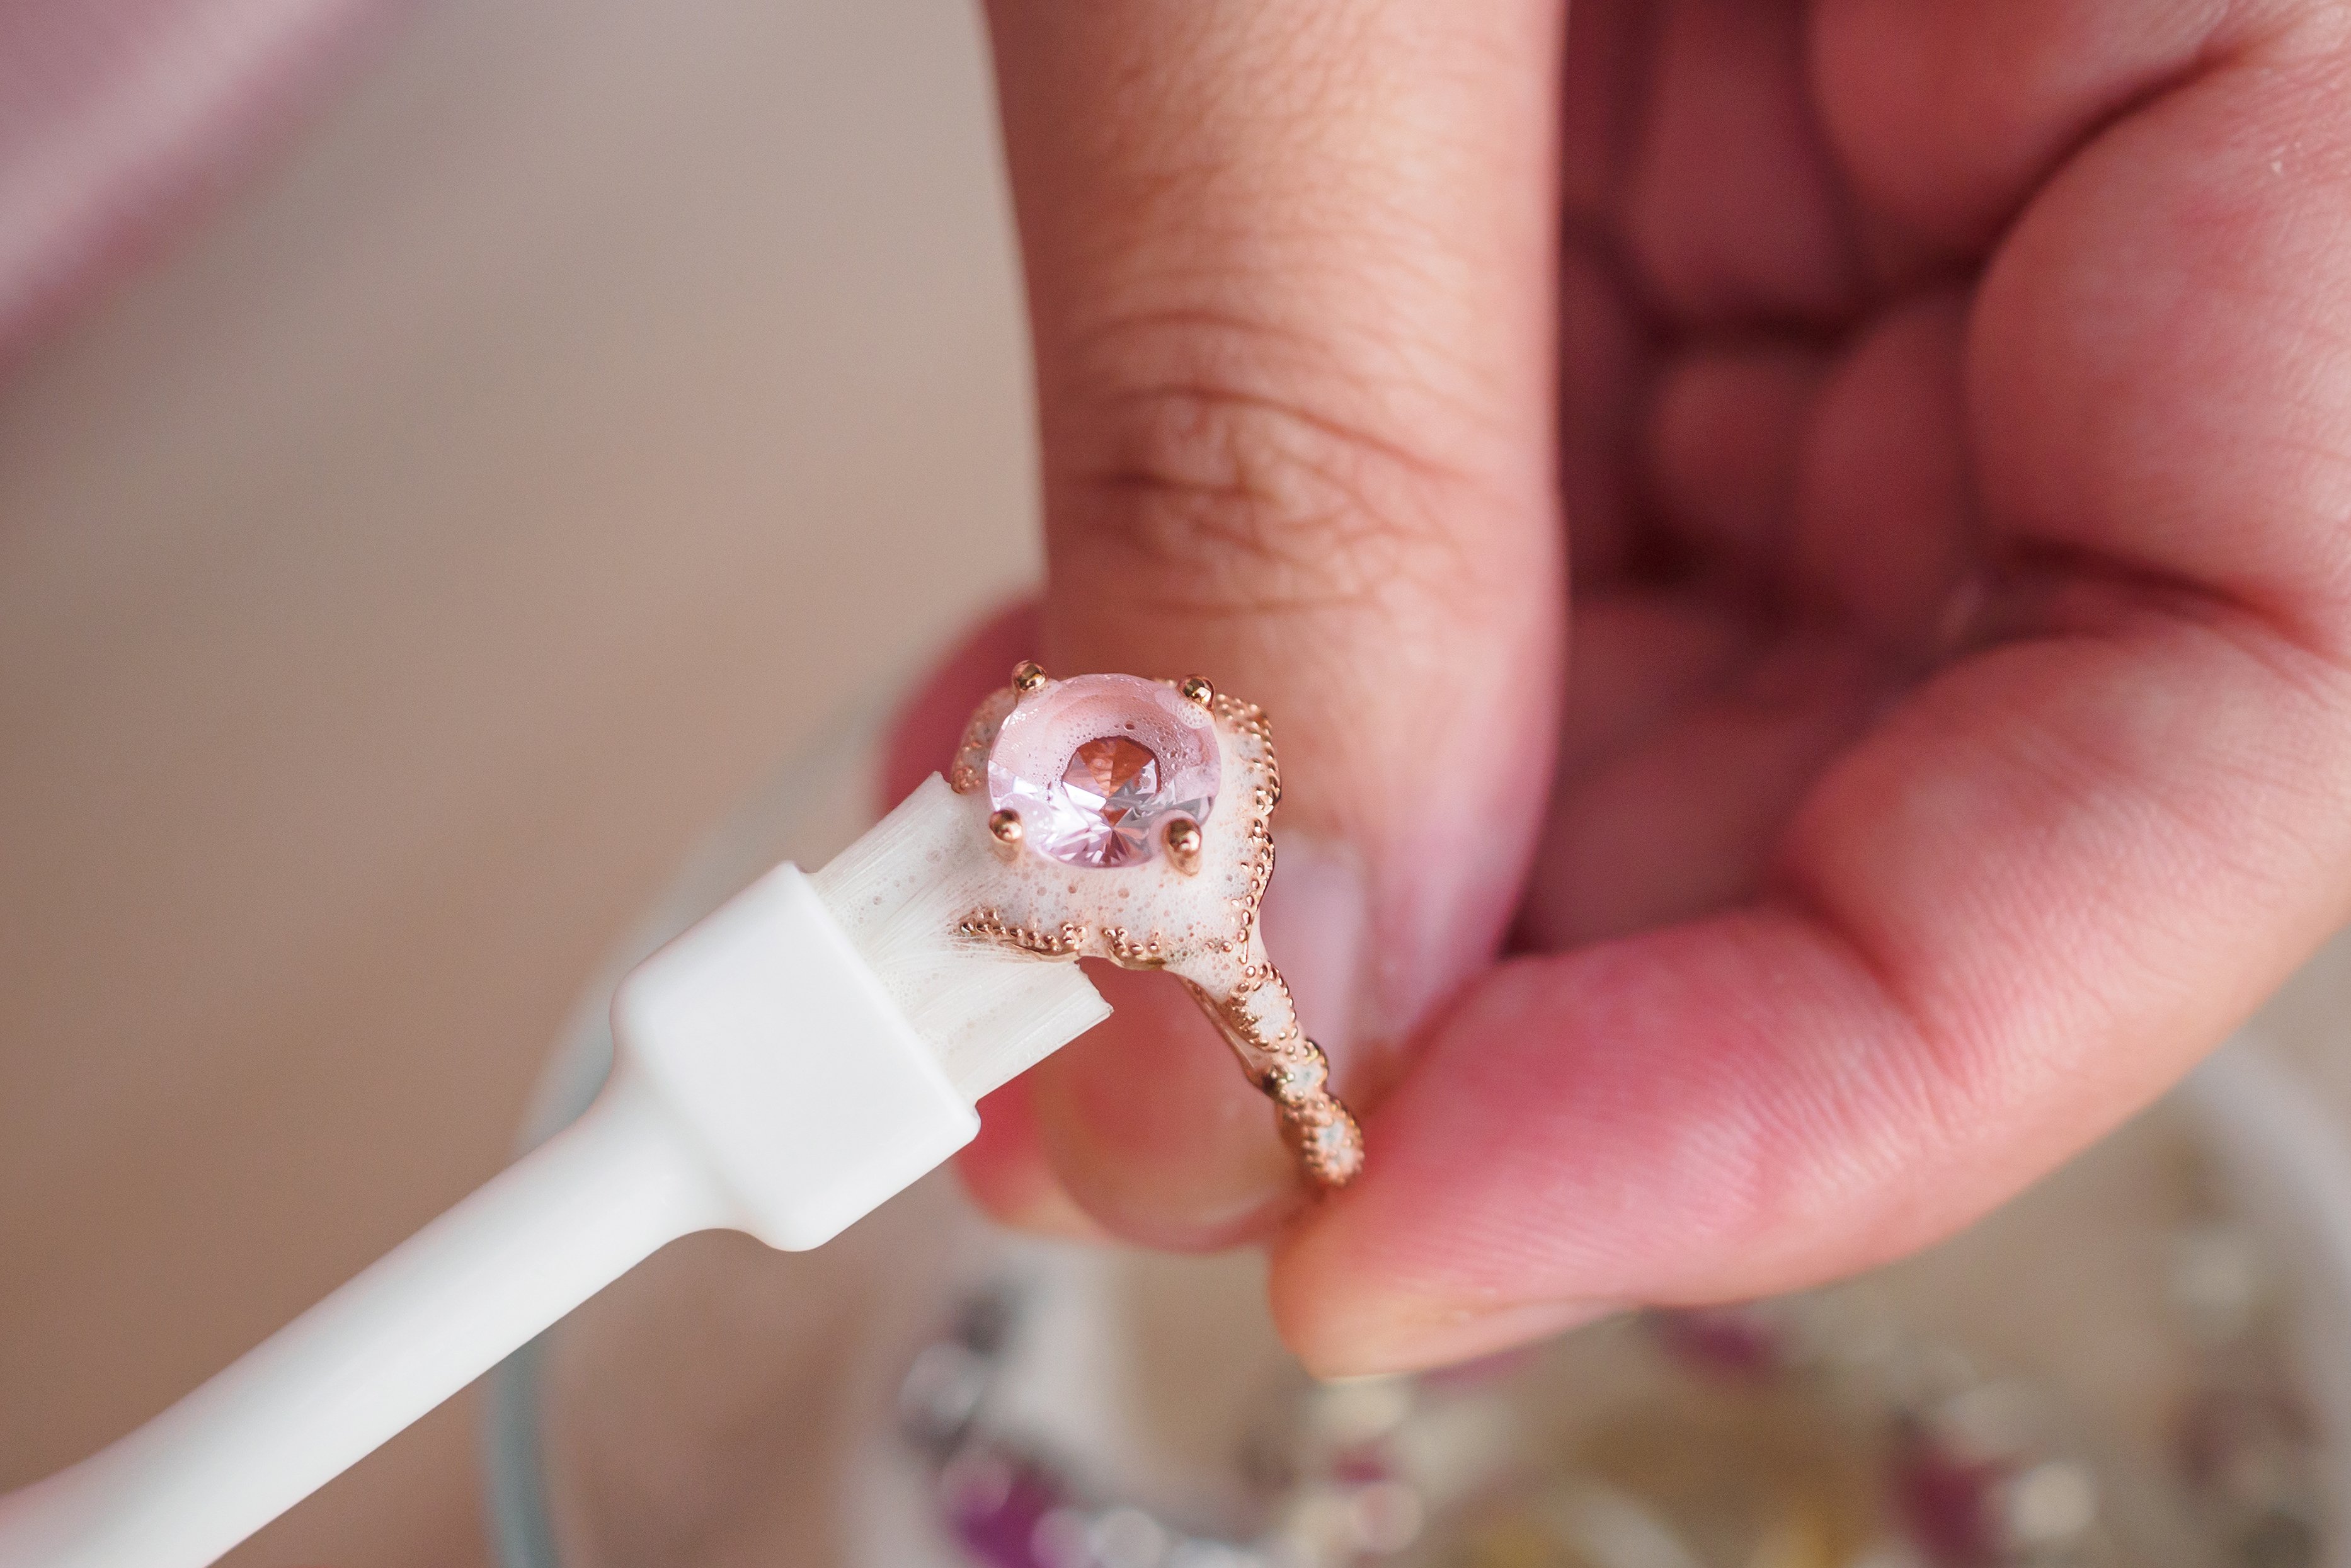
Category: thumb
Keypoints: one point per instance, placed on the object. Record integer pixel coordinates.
(1291, 277)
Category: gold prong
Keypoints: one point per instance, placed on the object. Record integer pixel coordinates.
(1005, 828)
(1195, 688)
(1183, 840)
(1027, 675)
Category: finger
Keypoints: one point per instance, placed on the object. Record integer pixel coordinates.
(1197, 1181)
(1838, 481)
(1682, 821)
(1640, 659)
(1884, 534)
(1291, 270)
(1602, 347)
(1949, 113)
(2046, 884)
(1602, 358)
(1724, 441)
(1005, 1169)
(1732, 209)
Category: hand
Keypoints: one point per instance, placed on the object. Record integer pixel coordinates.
(1949, 737)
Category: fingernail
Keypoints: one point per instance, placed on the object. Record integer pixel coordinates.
(1400, 1335)
(1005, 1176)
(1029, 1199)
(1316, 922)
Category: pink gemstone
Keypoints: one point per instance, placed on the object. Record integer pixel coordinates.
(1098, 765)
(1112, 765)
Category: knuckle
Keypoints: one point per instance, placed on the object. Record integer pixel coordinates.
(1225, 490)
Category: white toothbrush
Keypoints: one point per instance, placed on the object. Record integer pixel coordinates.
(783, 1068)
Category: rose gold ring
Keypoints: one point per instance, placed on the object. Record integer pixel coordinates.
(1134, 818)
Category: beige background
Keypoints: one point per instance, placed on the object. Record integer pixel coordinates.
(395, 579)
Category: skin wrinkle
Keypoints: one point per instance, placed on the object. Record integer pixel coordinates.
(1150, 398)
(1212, 498)
(1967, 1062)
(2311, 668)
(2321, 687)
(1819, 1116)
(1158, 295)
(1936, 1092)
(2081, 590)
(1205, 468)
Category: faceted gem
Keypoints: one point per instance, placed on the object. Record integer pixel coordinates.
(1097, 767)
(1114, 767)
(1114, 779)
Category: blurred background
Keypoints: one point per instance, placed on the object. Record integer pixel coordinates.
(399, 568)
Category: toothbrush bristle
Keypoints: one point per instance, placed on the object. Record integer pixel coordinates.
(898, 893)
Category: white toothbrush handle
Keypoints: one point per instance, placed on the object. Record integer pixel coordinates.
(426, 1320)
(767, 1081)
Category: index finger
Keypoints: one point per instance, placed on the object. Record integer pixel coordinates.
(1291, 277)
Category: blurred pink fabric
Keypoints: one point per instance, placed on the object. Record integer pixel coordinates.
(121, 120)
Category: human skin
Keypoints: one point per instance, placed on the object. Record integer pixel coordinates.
(1945, 405)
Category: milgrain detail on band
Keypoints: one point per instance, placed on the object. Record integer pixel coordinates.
(969, 769)
(1157, 857)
